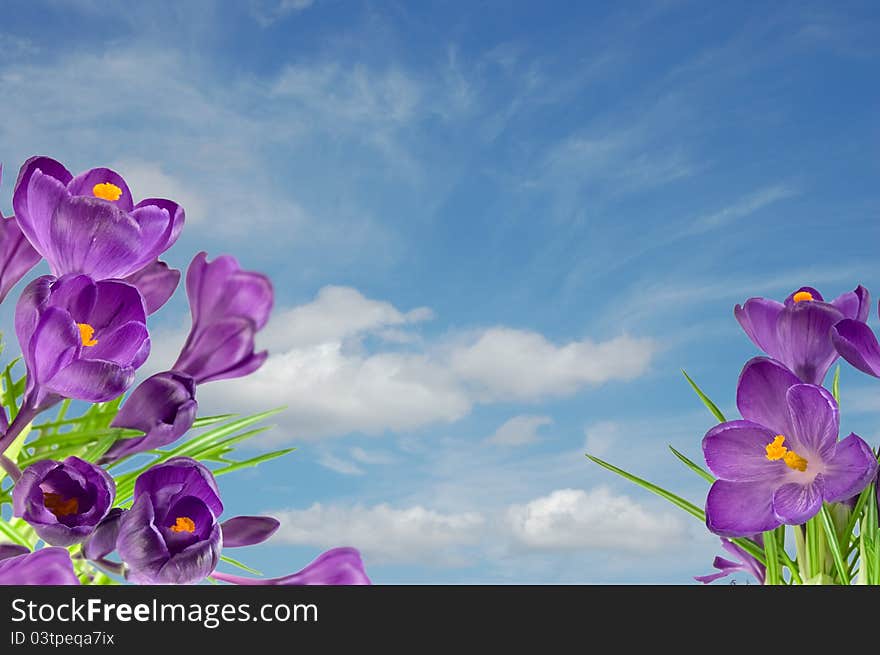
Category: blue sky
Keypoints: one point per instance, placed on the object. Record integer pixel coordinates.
(497, 232)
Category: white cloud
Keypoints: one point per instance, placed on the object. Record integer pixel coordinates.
(383, 533)
(150, 180)
(599, 437)
(519, 430)
(508, 364)
(746, 206)
(574, 519)
(339, 465)
(266, 12)
(336, 314)
(320, 370)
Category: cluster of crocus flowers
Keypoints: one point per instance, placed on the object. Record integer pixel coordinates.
(83, 332)
(784, 463)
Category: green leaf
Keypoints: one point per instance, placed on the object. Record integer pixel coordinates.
(243, 567)
(708, 403)
(835, 385)
(772, 552)
(834, 544)
(253, 462)
(678, 501)
(699, 470)
(12, 534)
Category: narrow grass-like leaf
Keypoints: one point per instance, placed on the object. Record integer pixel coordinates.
(834, 544)
(12, 534)
(770, 549)
(678, 501)
(243, 567)
(248, 463)
(835, 385)
(712, 407)
(696, 468)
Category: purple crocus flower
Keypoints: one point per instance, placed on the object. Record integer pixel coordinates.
(726, 567)
(80, 339)
(857, 344)
(17, 256)
(339, 566)
(47, 566)
(228, 307)
(63, 501)
(156, 282)
(171, 534)
(89, 223)
(778, 464)
(797, 332)
(163, 407)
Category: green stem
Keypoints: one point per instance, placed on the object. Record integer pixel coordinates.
(834, 544)
(772, 553)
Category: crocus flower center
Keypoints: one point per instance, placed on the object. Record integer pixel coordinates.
(86, 332)
(183, 524)
(106, 191)
(776, 451)
(801, 296)
(59, 505)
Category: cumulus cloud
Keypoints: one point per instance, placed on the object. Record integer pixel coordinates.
(382, 532)
(332, 384)
(508, 364)
(573, 519)
(519, 430)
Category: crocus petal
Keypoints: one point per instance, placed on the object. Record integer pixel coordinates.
(761, 394)
(220, 351)
(248, 530)
(156, 282)
(12, 550)
(751, 565)
(192, 564)
(737, 451)
(758, 317)
(338, 566)
(815, 420)
(95, 381)
(84, 185)
(160, 222)
(794, 502)
(854, 304)
(180, 475)
(139, 544)
(857, 344)
(91, 236)
(102, 541)
(117, 303)
(805, 344)
(127, 345)
(850, 469)
(35, 204)
(163, 407)
(47, 566)
(740, 509)
(17, 255)
(54, 345)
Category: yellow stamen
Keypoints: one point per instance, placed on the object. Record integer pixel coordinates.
(775, 449)
(107, 191)
(86, 332)
(801, 296)
(183, 524)
(795, 461)
(60, 506)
